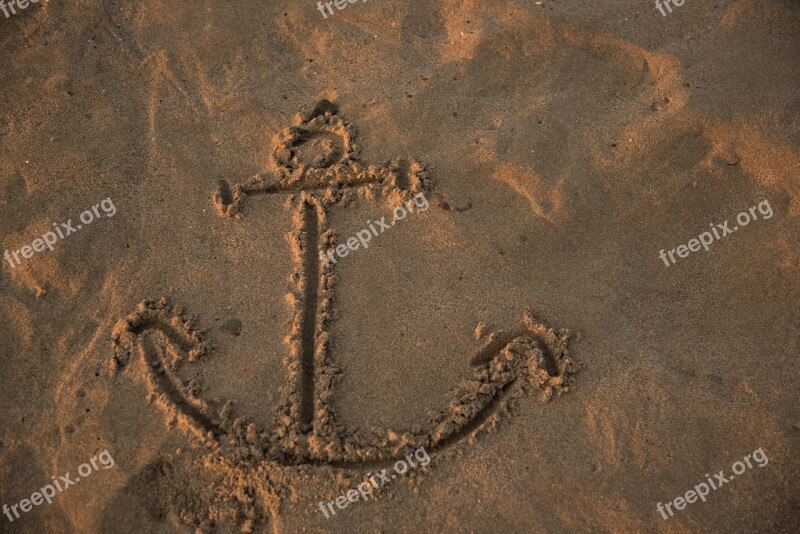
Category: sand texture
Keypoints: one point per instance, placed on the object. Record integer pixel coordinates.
(543, 254)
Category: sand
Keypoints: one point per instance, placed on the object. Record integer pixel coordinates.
(517, 326)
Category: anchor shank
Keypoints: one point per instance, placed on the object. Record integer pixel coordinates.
(311, 274)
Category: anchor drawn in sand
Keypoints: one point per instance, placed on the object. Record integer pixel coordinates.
(317, 167)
